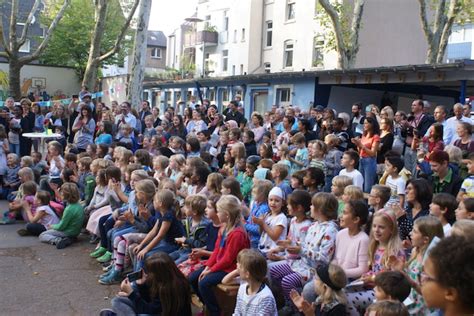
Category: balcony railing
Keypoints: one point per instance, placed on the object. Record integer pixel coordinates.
(198, 38)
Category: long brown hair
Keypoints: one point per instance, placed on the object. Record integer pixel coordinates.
(167, 283)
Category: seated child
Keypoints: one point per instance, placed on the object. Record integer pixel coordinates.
(443, 206)
(86, 181)
(387, 308)
(296, 180)
(254, 296)
(391, 285)
(258, 208)
(329, 285)
(195, 226)
(337, 188)
(43, 216)
(63, 233)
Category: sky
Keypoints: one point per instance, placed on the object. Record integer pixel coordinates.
(167, 15)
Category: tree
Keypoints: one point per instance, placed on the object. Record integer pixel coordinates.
(437, 33)
(70, 43)
(135, 88)
(346, 36)
(13, 44)
(96, 57)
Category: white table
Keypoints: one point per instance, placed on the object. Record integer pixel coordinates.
(42, 136)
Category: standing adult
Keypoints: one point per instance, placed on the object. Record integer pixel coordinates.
(453, 122)
(466, 110)
(417, 124)
(125, 117)
(57, 117)
(27, 125)
(368, 147)
(84, 128)
(440, 114)
(144, 112)
(357, 122)
(386, 140)
(75, 107)
(155, 113)
(232, 113)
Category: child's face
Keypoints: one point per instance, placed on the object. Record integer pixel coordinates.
(37, 200)
(125, 131)
(318, 286)
(81, 167)
(157, 204)
(223, 216)
(470, 167)
(390, 168)
(347, 218)
(462, 213)
(148, 123)
(249, 170)
(90, 151)
(380, 294)
(275, 204)
(314, 212)
(435, 210)
(345, 161)
(133, 181)
(433, 293)
(36, 158)
(336, 190)
(381, 231)
(11, 161)
(417, 239)
(210, 211)
(255, 194)
(201, 138)
(188, 211)
(266, 139)
(225, 190)
(373, 198)
(275, 173)
(295, 183)
(244, 275)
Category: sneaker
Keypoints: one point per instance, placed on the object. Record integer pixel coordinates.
(94, 239)
(23, 232)
(107, 268)
(105, 257)
(63, 243)
(106, 274)
(98, 252)
(114, 277)
(107, 312)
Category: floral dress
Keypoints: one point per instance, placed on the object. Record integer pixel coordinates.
(417, 305)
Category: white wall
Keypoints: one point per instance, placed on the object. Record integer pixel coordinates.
(59, 80)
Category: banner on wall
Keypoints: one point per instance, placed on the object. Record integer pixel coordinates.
(63, 101)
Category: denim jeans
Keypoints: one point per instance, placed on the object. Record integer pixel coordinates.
(180, 255)
(204, 288)
(163, 246)
(106, 223)
(15, 149)
(368, 168)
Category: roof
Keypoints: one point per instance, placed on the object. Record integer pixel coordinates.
(461, 65)
(156, 38)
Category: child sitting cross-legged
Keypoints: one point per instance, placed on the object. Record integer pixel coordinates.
(195, 226)
(254, 296)
(329, 284)
(43, 216)
(63, 233)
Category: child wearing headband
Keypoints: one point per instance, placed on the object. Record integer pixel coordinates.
(329, 283)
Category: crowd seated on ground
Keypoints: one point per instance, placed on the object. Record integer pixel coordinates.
(290, 212)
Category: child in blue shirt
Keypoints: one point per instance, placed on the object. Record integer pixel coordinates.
(258, 208)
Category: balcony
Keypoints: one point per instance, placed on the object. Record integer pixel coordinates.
(208, 37)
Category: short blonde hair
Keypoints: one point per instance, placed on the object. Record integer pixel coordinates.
(342, 181)
(197, 203)
(354, 192)
(147, 187)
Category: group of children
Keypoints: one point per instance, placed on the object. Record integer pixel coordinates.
(295, 232)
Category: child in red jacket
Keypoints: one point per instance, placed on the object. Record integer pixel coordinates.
(232, 238)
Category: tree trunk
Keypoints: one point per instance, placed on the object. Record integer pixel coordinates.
(14, 69)
(135, 88)
(90, 75)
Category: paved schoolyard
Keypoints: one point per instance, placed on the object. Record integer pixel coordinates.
(38, 279)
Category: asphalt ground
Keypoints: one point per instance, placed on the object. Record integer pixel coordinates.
(38, 279)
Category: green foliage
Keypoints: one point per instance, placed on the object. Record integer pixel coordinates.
(70, 42)
(327, 31)
(3, 80)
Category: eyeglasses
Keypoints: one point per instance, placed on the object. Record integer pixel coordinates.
(423, 278)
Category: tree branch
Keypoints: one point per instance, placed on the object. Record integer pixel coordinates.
(424, 21)
(335, 24)
(28, 23)
(453, 11)
(119, 39)
(439, 17)
(353, 44)
(2, 39)
(12, 31)
(42, 46)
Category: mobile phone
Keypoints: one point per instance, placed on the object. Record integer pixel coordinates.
(132, 277)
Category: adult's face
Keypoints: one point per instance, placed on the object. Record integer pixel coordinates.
(355, 110)
(466, 110)
(286, 123)
(458, 111)
(439, 115)
(211, 111)
(87, 100)
(10, 104)
(438, 168)
(26, 107)
(416, 107)
(124, 109)
(175, 121)
(145, 106)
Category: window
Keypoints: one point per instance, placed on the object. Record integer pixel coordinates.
(225, 95)
(206, 62)
(268, 41)
(241, 69)
(225, 60)
(25, 48)
(233, 70)
(156, 53)
(243, 35)
(226, 21)
(235, 36)
(207, 22)
(318, 47)
(283, 95)
(290, 10)
(288, 58)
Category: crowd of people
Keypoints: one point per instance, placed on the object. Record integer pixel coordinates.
(312, 212)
